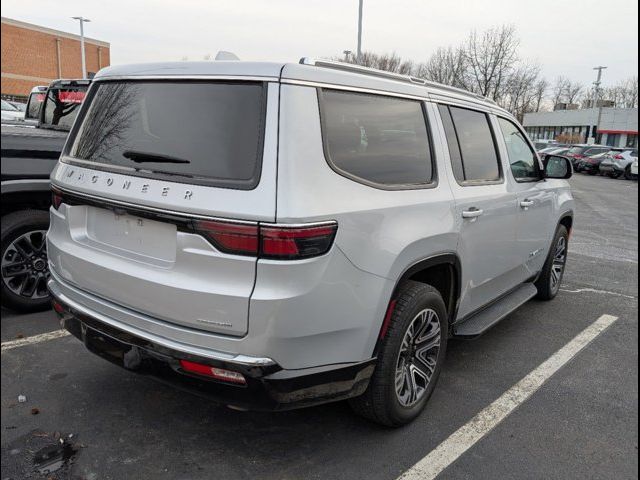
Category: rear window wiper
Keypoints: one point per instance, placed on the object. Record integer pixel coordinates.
(146, 157)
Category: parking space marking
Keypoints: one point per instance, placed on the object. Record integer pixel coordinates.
(43, 337)
(603, 292)
(479, 426)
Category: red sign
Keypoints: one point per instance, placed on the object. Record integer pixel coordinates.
(71, 96)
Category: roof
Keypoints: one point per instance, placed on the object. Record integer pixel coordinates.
(51, 31)
(307, 72)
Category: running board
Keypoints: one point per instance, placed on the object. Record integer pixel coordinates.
(488, 317)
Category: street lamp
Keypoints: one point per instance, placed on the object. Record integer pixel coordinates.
(359, 52)
(82, 21)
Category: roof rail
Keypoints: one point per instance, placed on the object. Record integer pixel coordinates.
(351, 67)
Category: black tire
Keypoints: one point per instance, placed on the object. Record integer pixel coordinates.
(14, 226)
(614, 175)
(546, 284)
(380, 402)
(593, 172)
(627, 173)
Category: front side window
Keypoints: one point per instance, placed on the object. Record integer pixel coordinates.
(523, 160)
(210, 133)
(376, 139)
(471, 145)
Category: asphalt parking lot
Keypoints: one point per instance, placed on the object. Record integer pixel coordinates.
(582, 423)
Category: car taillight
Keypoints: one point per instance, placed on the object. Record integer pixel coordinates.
(291, 243)
(619, 157)
(56, 199)
(235, 238)
(213, 372)
(273, 242)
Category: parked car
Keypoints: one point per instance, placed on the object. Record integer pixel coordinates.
(634, 169)
(29, 153)
(290, 237)
(34, 103)
(577, 153)
(556, 150)
(591, 163)
(11, 113)
(543, 144)
(19, 105)
(619, 164)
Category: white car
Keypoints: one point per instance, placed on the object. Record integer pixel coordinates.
(634, 168)
(9, 112)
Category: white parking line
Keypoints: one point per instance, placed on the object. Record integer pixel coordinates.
(468, 435)
(43, 337)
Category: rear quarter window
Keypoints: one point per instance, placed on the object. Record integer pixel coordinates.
(376, 140)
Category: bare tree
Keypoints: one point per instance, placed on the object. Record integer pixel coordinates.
(390, 62)
(540, 92)
(491, 56)
(559, 89)
(447, 66)
(573, 91)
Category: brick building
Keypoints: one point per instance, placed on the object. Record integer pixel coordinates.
(34, 55)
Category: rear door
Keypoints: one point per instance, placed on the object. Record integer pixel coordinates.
(486, 210)
(162, 185)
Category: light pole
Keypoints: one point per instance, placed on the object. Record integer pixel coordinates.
(597, 96)
(359, 52)
(82, 21)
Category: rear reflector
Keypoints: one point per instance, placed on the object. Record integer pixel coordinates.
(213, 372)
(58, 307)
(273, 241)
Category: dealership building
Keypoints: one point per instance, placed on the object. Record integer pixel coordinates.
(615, 127)
(34, 55)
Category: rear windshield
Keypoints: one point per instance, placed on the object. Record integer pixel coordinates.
(207, 133)
(61, 107)
(577, 149)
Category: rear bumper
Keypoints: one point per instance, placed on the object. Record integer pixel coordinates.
(268, 386)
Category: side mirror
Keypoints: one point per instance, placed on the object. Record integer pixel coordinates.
(556, 166)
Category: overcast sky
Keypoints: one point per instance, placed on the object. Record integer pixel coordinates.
(566, 37)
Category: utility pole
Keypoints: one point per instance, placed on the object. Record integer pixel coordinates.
(597, 84)
(82, 21)
(359, 53)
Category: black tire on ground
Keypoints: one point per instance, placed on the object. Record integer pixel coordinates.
(627, 173)
(614, 175)
(380, 402)
(15, 225)
(547, 289)
(593, 172)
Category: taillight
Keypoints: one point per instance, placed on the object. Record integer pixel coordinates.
(213, 372)
(56, 199)
(269, 241)
(235, 238)
(291, 243)
(619, 157)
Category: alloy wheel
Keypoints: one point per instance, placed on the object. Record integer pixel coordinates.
(24, 265)
(559, 263)
(417, 358)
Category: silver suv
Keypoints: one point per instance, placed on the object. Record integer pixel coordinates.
(279, 236)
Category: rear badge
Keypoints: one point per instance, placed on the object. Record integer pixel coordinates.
(213, 322)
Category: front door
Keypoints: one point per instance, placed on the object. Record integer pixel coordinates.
(535, 200)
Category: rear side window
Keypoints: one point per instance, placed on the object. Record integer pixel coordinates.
(471, 144)
(376, 139)
(34, 104)
(206, 133)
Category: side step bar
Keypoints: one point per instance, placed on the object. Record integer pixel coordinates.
(486, 318)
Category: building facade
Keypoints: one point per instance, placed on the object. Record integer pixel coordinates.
(34, 55)
(615, 127)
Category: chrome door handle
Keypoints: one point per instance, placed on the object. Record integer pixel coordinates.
(472, 213)
(527, 203)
